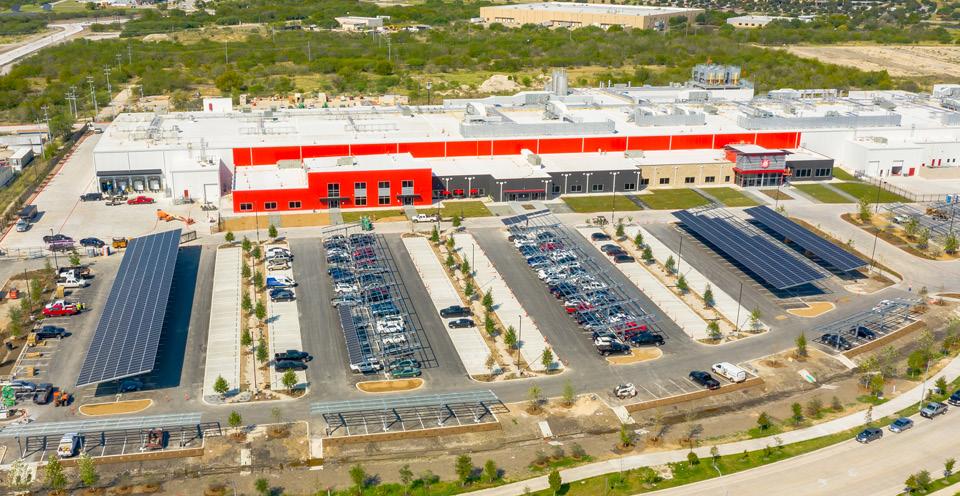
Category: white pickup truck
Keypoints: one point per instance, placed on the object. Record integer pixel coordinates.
(426, 218)
(70, 280)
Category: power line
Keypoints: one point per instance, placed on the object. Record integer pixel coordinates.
(93, 96)
(106, 72)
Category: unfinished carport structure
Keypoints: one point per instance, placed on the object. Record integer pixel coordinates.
(113, 436)
(408, 413)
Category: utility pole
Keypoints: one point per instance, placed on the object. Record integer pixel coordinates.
(119, 60)
(106, 73)
(389, 50)
(93, 96)
(226, 56)
(72, 100)
(129, 56)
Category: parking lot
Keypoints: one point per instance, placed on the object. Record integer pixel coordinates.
(863, 327)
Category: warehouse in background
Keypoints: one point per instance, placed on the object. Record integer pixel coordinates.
(579, 15)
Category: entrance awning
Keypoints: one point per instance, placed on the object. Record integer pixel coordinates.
(535, 190)
(758, 171)
(328, 198)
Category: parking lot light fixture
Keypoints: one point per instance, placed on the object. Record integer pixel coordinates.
(56, 262)
(519, 340)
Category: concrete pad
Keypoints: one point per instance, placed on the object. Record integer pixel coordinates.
(223, 336)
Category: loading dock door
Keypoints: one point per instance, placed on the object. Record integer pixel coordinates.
(211, 193)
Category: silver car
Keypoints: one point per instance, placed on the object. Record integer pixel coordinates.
(900, 425)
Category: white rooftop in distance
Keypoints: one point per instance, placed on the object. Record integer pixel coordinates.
(594, 8)
(259, 177)
(681, 157)
(363, 163)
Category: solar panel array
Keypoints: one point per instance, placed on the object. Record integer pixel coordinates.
(138, 422)
(128, 334)
(521, 218)
(357, 348)
(768, 261)
(830, 253)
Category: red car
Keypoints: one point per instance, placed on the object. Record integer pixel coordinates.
(577, 307)
(140, 200)
(60, 308)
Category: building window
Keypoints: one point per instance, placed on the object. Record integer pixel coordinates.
(689, 180)
(383, 184)
(360, 201)
(629, 186)
(480, 192)
(293, 204)
(383, 200)
(359, 186)
(406, 184)
(823, 172)
(333, 190)
(270, 205)
(596, 187)
(726, 179)
(803, 173)
(576, 188)
(710, 179)
(246, 206)
(664, 180)
(555, 188)
(644, 181)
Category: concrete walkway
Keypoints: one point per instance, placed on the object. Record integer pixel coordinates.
(506, 305)
(470, 346)
(724, 303)
(223, 337)
(951, 371)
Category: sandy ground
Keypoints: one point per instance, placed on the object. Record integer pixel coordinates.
(636, 355)
(498, 83)
(116, 408)
(389, 386)
(898, 60)
(814, 309)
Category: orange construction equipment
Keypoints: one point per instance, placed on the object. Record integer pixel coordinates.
(161, 215)
(61, 398)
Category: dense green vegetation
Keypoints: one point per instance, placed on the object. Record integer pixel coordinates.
(16, 25)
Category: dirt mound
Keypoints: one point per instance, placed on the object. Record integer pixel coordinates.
(498, 83)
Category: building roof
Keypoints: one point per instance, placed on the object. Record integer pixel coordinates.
(260, 177)
(682, 157)
(748, 149)
(595, 8)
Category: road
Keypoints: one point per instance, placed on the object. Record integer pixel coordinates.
(65, 31)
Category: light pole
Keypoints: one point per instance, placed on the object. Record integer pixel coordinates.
(429, 86)
(736, 324)
(613, 202)
(587, 175)
(565, 177)
(519, 338)
(546, 189)
(56, 262)
(879, 189)
(501, 183)
(470, 186)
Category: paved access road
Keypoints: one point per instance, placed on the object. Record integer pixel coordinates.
(64, 31)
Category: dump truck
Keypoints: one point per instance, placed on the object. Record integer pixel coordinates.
(119, 243)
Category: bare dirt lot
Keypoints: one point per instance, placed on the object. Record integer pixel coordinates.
(898, 60)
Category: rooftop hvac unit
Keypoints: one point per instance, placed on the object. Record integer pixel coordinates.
(555, 110)
(345, 161)
(633, 154)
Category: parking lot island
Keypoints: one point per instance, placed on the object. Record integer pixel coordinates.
(223, 336)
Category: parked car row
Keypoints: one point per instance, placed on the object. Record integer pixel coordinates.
(281, 286)
(931, 411)
(361, 280)
(614, 327)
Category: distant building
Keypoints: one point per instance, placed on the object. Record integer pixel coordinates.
(20, 158)
(759, 21)
(355, 23)
(577, 15)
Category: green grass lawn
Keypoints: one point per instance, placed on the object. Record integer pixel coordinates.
(674, 199)
(466, 209)
(861, 190)
(355, 215)
(822, 193)
(731, 197)
(69, 6)
(843, 175)
(603, 203)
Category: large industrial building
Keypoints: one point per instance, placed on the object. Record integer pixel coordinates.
(529, 146)
(578, 15)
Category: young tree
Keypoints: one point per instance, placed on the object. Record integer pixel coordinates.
(465, 268)
(797, 410)
(406, 478)
(359, 477)
(864, 211)
(15, 327)
(235, 420)
(670, 264)
(468, 289)
(289, 379)
(912, 227)
(638, 240)
(801, 342)
(229, 237)
(491, 327)
(487, 300)
(245, 270)
(220, 386)
(245, 338)
(87, 470)
(755, 316)
(626, 436)
(36, 291)
(713, 330)
(948, 465)
(258, 280)
(620, 229)
(647, 254)
(451, 243)
(260, 311)
(569, 394)
(876, 385)
(555, 482)
(246, 245)
(435, 235)
(836, 405)
(450, 262)
(813, 407)
(272, 231)
(950, 244)
(510, 338)
(262, 485)
(763, 421)
(715, 454)
(682, 284)
(547, 359)
(490, 471)
(55, 478)
(74, 258)
(708, 297)
(578, 452)
(535, 394)
(941, 384)
(692, 458)
(262, 353)
(456, 221)
(464, 468)
(255, 252)
(923, 239)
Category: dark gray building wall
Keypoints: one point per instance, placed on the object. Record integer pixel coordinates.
(806, 170)
(558, 184)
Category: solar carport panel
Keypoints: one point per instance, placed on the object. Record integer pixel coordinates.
(358, 351)
(128, 334)
(830, 253)
(768, 261)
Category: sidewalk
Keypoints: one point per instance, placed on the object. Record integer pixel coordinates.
(223, 336)
(506, 306)
(470, 346)
(951, 371)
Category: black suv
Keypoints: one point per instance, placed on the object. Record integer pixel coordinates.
(954, 398)
(282, 294)
(50, 332)
(599, 236)
(43, 393)
(836, 341)
(606, 347)
(91, 197)
(293, 355)
(704, 379)
(865, 333)
(646, 338)
(285, 365)
(455, 311)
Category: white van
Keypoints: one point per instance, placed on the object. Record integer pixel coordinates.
(730, 371)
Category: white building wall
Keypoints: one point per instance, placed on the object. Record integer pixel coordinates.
(200, 183)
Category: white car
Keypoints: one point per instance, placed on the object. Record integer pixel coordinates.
(426, 218)
(69, 445)
(344, 288)
(278, 264)
(395, 339)
(278, 252)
